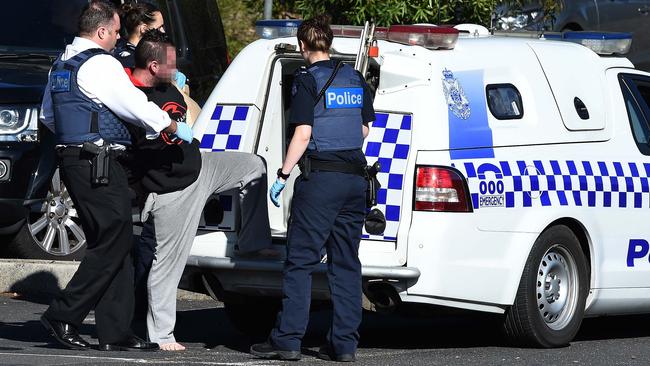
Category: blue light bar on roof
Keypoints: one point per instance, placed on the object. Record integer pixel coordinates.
(597, 35)
(603, 43)
(277, 28)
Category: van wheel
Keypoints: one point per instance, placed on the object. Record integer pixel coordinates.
(52, 229)
(252, 315)
(550, 301)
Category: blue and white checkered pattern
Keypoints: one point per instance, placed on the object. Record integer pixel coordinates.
(224, 132)
(226, 129)
(389, 142)
(230, 209)
(555, 183)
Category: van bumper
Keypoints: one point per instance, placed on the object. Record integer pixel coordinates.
(251, 265)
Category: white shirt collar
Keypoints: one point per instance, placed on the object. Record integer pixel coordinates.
(82, 44)
(79, 44)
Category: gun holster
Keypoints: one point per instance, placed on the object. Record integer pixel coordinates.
(305, 166)
(100, 161)
(373, 184)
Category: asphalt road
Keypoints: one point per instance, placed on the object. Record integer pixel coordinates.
(460, 339)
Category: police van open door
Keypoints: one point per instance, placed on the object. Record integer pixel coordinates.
(388, 142)
(248, 111)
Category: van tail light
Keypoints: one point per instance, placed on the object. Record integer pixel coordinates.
(440, 189)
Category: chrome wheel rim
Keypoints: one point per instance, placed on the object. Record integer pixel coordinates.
(55, 226)
(557, 287)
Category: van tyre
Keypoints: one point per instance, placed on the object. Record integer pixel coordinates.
(550, 301)
(52, 228)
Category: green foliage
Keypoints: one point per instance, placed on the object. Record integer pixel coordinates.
(386, 12)
(238, 23)
(239, 16)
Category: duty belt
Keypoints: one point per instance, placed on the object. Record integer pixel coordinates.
(334, 166)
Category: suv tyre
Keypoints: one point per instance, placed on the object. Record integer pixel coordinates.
(52, 229)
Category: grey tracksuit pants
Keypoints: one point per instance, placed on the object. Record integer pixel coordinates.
(176, 217)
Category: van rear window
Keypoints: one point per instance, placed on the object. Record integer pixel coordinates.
(504, 101)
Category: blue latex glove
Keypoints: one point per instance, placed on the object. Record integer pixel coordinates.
(275, 191)
(184, 132)
(180, 79)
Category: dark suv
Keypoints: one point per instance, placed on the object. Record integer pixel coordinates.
(586, 15)
(37, 216)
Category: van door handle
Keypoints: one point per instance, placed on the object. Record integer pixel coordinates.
(644, 10)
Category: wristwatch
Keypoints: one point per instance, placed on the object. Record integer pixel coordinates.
(282, 175)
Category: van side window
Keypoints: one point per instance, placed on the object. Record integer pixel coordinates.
(504, 101)
(636, 91)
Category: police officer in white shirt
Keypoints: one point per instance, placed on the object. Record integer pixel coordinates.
(87, 101)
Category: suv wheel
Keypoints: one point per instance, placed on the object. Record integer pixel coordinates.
(53, 229)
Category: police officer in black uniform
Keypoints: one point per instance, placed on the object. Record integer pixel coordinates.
(137, 18)
(330, 111)
(87, 101)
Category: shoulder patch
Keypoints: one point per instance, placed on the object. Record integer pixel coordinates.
(125, 54)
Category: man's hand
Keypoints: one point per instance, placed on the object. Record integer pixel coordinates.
(180, 79)
(171, 129)
(184, 132)
(275, 191)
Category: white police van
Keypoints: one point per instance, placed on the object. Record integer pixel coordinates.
(514, 171)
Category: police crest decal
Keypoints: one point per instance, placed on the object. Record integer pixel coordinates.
(456, 100)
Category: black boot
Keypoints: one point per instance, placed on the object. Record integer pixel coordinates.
(266, 350)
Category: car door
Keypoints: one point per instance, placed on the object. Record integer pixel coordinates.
(627, 262)
(629, 16)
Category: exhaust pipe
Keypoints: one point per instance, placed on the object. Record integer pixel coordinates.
(383, 296)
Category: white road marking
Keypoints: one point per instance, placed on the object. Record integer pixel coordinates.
(144, 361)
(74, 356)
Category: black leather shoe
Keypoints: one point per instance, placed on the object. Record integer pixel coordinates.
(65, 334)
(326, 353)
(132, 343)
(267, 351)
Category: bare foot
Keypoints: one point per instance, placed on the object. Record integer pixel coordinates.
(172, 347)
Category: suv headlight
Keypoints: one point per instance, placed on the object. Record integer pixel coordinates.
(18, 123)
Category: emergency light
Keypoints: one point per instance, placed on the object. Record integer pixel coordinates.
(356, 30)
(603, 43)
(277, 28)
(428, 36)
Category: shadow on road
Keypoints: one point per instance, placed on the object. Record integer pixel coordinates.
(614, 327)
(206, 324)
(33, 332)
(211, 327)
(39, 287)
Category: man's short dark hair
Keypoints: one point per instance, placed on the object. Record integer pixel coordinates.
(98, 13)
(152, 47)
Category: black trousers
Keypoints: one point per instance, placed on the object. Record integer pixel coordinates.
(104, 279)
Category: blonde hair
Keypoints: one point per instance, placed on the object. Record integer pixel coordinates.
(316, 33)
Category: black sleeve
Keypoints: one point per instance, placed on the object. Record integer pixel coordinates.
(303, 94)
(125, 57)
(368, 111)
